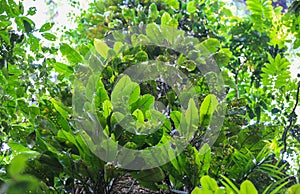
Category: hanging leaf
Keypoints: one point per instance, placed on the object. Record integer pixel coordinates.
(207, 108)
(46, 26)
(49, 36)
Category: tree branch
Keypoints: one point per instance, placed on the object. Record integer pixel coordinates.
(291, 116)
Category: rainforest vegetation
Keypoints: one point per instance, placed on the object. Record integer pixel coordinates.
(203, 85)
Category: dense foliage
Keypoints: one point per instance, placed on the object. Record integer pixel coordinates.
(45, 151)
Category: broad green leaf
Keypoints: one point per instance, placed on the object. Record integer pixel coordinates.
(107, 108)
(150, 175)
(101, 94)
(208, 183)
(141, 56)
(197, 190)
(153, 12)
(25, 24)
(49, 36)
(154, 33)
(248, 188)
(140, 39)
(165, 19)
(63, 69)
(207, 108)
(191, 7)
(172, 3)
(144, 103)
(204, 158)
(125, 91)
(263, 9)
(18, 163)
(295, 189)
(101, 47)
(210, 45)
(139, 115)
(71, 54)
(64, 135)
(5, 36)
(192, 119)
(17, 147)
(118, 46)
(155, 117)
(60, 108)
(46, 26)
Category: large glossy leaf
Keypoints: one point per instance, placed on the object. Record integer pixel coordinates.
(125, 92)
(102, 48)
(207, 108)
(154, 33)
(247, 188)
(208, 183)
(72, 55)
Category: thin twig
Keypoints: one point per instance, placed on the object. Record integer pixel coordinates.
(131, 186)
(291, 116)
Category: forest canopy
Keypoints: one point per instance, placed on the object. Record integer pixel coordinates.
(151, 96)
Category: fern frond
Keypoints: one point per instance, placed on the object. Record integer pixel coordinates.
(260, 8)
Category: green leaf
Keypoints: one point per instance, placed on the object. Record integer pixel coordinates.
(248, 188)
(154, 33)
(71, 54)
(141, 56)
(191, 118)
(295, 189)
(229, 184)
(49, 36)
(60, 108)
(153, 12)
(31, 11)
(208, 183)
(139, 115)
(17, 147)
(144, 103)
(46, 26)
(204, 158)
(150, 175)
(125, 91)
(29, 25)
(64, 135)
(176, 117)
(118, 46)
(165, 19)
(261, 8)
(197, 190)
(18, 163)
(191, 7)
(63, 69)
(172, 3)
(102, 48)
(207, 108)
(208, 46)
(101, 94)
